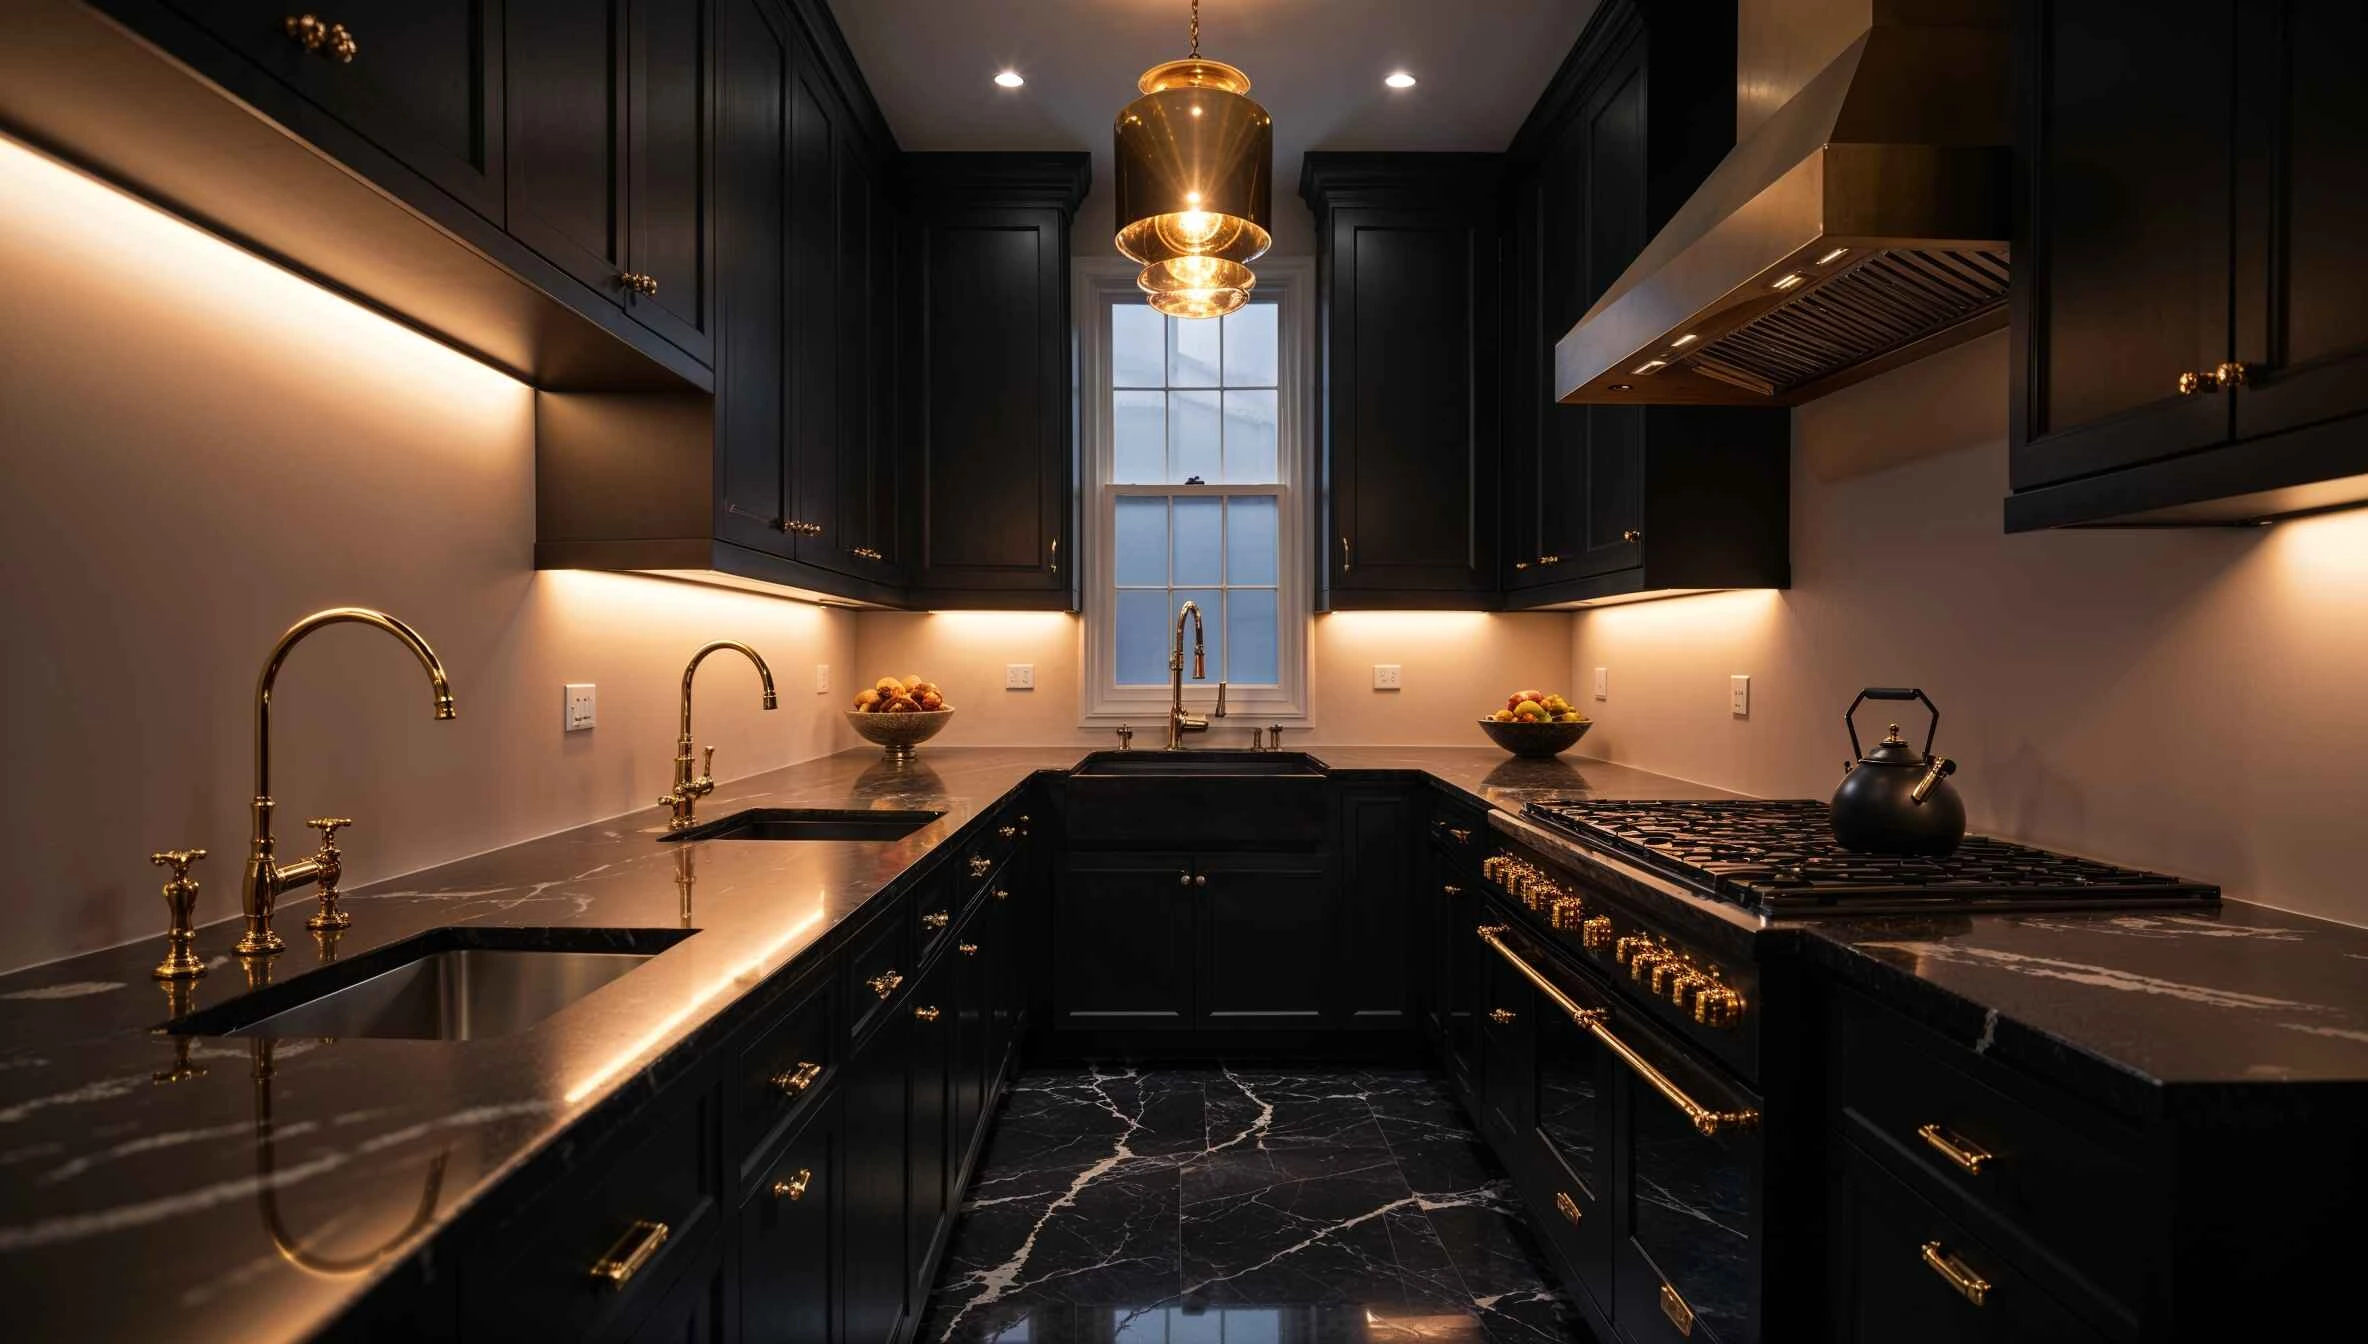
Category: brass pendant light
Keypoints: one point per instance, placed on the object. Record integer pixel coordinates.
(1195, 184)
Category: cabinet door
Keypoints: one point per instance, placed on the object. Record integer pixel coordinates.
(1508, 1009)
(671, 236)
(2121, 249)
(1122, 943)
(788, 1273)
(1601, 512)
(1411, 449)
(1570, 1144)
(753, 62)
(812, 325)
(1371, 917)
(1264, 920)
(1524, 378)
(872, 1226)
(931, 1067)
(1461, 1009)
(972, 1010)
(567, 85)
(424, 84)
(865, 513)
(695, 1309)
(2302, 243)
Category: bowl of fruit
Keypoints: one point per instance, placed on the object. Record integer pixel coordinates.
(900, 713)
(1536, 723)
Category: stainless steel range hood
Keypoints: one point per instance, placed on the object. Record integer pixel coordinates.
(1858, 226)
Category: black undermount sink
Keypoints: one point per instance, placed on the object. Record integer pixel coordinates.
(807, 823)
(1137, 764)
(444, 985)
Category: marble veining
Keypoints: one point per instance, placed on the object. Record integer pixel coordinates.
(1196, 1203)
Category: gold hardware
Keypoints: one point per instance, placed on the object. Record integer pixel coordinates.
(1667, 969)
(1969, 1285)
(631, 1253)
(1179, 722)
(1707, 1122)
(2230, 373)
(967, 949)
(1675, 1308)
(926, 1013)
(1459, 835)
(1566, 913)
(796, 1081)
(266, 877)
(1503, 1017)
(1632, 535)
(885, 983)
(1544, 560)
(688, 788)
(794, 1188)
(180, 900)
(937, 919)
(1054, 564)
(867, 553)
(1490, 931)
(1450, 889)
(798, 528)
(1521, 564)
(1126, 737)
(1568, 1207)
(1007, 832)
(1183, 879)
(1684, 982)
(1596, 933)
(1958, 1149)
(980, 865)
(313, 35)
(1200, 879)
(1002, 894)
(329, 918)
(1717, 1005)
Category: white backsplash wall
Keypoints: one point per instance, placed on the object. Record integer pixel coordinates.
(200, 449)
(2184, 700)
(1456, 665)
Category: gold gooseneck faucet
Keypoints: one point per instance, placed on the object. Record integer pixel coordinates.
(1179, 722)
(266, 877)
(689, 788)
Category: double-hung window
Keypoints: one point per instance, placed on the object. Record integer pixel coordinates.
(1195, 452)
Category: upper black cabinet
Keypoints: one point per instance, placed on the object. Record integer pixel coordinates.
(1407, 277)
(2190, 310)
(991, 433)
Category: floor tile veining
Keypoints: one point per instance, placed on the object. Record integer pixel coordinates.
(1236, 1205)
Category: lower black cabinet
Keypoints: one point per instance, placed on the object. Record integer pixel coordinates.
(788, 1231)
(872, 1196)
(1371, 931)
(1122, 943)
(1263, 921)
(696, 1310)
(930, 1067)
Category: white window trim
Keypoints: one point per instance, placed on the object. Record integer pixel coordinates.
(1291, 283)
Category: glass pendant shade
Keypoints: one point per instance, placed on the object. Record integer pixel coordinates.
(1195, 184)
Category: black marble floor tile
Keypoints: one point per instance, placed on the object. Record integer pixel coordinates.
(1240, 1205)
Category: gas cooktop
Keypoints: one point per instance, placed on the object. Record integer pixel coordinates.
(1780, 858)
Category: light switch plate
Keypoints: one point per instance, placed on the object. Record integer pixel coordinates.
(582, 707)
(1603, 683)
(1019, 676)
(821, 678)
(1388, 677)
(1739, 697)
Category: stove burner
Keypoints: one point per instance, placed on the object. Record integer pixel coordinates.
(1780, 858)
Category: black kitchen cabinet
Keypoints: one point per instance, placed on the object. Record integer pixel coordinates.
(1261, 918)
(811, 389)
(930, 1067)
(789, 1268)
(2189, 340)
(1407, 280)
(669, 171)
(868, 518)
(872, 1194)
(1371, 921)
(992, 425)
(1122, 941)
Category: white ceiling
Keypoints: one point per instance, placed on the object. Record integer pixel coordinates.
(1316, 65)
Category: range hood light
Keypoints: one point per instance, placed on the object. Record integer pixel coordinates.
(1683, 341)
(1649, 365)
(1833, 256)
(1789, 281)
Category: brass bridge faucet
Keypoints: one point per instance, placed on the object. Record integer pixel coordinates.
(689, 788)
(1179, 722)
(266, 877)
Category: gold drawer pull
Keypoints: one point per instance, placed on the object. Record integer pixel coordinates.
(1501, 1016)
(1955, 1147)
(794, 1188)
(1969, 1285)
(1459, 835)
(1001, 894)
(885, 983)
(313, 35)
(1566, 1206)
(937, 919)
(1675, 1308)
(1007, 832)
(981, 865)
(926, 1013)
(632, 1251)
(967, 949)
(797, 1080)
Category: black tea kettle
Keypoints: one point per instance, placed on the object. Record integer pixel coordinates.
(1895, 799)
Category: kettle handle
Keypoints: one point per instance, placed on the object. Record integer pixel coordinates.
(1890, 693)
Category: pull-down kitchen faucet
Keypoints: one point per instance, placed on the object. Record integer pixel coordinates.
(689, 788)
(1179, 722)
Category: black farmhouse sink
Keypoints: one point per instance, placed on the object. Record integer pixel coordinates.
(808, 823)
(1138, 764)
(1198, 800)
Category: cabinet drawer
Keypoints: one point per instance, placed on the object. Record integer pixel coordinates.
(784, 1070)
(879, 967)
(599, 1253)
(2069, 1192)
(1904, 1270)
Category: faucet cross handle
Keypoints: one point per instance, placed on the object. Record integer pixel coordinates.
(331, 870)
(180, 899)
(707, 771)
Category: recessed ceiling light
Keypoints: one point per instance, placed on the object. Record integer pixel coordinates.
(1399, 79)
(1009, 79)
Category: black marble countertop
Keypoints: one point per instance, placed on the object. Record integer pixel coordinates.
(143, 1185)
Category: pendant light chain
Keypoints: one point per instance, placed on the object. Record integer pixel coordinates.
(1196, 28)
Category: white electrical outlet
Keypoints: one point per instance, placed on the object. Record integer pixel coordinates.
(581, 707)
(1603, 683)
(821, 678)
(1739, 697)
(1388, 677)
(1019, 676)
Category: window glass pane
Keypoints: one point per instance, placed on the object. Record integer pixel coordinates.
(1192, 436)
(1249, 436)
(1252, 634)
(1250, 551)
(1192, 352)
(1143, 622)
(1250, 346)
(1138, 346)
(1139, 429)
(1200, 540)
(1142, 537)
(1212, 617)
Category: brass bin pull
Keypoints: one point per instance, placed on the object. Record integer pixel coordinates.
(632, 1251)
(796, 1081)
(1969, 1285)
(794, 1188)
(1955, 1147)
(885, 983)
(1707, 1122)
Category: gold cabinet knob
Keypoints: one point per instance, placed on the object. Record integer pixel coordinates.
(967, 949)
(634, 282)
(1007, 832)
(1501, 1016)
(1200, 879)
(1632, 535)
(795, 1082)
(794, 1188)
(2228, 374)
(1450, 889)
(937, 919)
(332, 40)
(926, 1012)
(1521, 564)
(180, 900)
(632, 1251)
(885, 983)
(1549, 560)
(981, 865)
(1002, 894)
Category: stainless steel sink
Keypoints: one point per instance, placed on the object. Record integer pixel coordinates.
(1196, 764)
(429, 990)
(808, 823)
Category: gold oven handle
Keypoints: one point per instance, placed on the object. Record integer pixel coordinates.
(1707, 1122)
(631, 1253)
